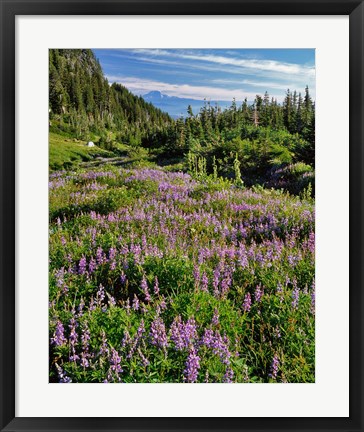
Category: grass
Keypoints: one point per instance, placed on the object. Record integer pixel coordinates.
(65, 153)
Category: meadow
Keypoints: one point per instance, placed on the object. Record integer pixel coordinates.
(169, 276)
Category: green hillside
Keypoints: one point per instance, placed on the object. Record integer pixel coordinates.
(82, 103)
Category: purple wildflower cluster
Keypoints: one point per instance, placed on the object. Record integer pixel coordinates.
(58, 338)
(218, 344)
(192, 366)
(158, 333)
(183, 335)
(183, 276)
(247, 302)
(274, 367)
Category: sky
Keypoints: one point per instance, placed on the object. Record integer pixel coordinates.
(215, 74)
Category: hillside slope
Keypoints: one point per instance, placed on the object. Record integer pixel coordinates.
(82, 103)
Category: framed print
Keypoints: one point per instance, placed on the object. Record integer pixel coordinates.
(181, 196)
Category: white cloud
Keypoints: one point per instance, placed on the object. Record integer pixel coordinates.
(262, 84)
(262, 65)
(142, 86)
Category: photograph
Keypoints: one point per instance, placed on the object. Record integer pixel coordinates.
(181, 215)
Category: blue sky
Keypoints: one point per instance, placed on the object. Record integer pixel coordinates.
(216, 74)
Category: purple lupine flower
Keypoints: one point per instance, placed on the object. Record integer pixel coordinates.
(215, 318)
(258, 294)
(127, 306)
(82, 266)
(58, 336)
(158, 334)
(189, 332)
(141, 329)
(218, 345)
(204, 282)
(104, 346)
(112, 254)
(280, 292)
(123, 278)
(156, 286)
(274, 367)
(144, 287)
(311, 242)
(225, 284)
(115, 361)
(85, 337)
(100, 296)
(80, 308)
(175, 331)
(84, 359)
(207, 338)
(112, 301)
(135, 304)
(183, 334)
(216, 281)
(100, 256)
(192, 366)
(92, 306)
(126, 339)
(60, 280)
(73, 338)
(295, 297)
(136, 250)
(229, 375)
(59, 277)
(137, 339)
(145, 361)
(247, 302)
(63, 378)
(85, 355)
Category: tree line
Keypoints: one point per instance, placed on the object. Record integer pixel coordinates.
(82, 102)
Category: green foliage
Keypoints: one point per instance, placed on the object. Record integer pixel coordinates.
(238, 181)
(66, 153)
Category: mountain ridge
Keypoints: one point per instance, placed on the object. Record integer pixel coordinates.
(177, 106)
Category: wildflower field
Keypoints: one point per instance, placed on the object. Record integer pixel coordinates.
(160, 276)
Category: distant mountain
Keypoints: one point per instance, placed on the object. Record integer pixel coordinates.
(176, 106)
(156, 95)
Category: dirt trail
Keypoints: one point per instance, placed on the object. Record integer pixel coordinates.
(103, 161)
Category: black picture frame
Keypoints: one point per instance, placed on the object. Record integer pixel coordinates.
(8, 11)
